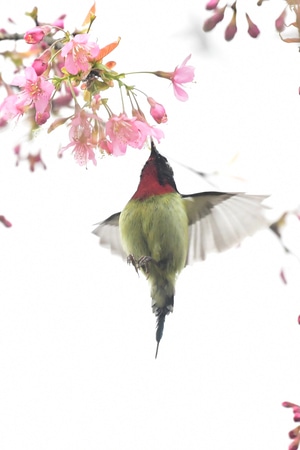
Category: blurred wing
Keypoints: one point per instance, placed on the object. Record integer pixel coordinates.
(109, 234)
(218, 221)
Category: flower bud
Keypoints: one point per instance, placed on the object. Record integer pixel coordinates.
(5, 222)
(40, 64)
(253, 30)
(212, 4)
(231, 28)
(279, 22)
(212, 21)
(157, 111)
(36, 34)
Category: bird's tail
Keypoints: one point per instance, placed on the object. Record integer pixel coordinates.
(161, 315)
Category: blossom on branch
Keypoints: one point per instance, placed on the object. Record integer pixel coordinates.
(85, 133)
(123, 131)
(182, 74)
(36, 92)
(70, 71)
(79, 54)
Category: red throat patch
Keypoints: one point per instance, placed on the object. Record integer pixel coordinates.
(149, 184)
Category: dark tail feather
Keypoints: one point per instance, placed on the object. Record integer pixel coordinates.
(161, 315)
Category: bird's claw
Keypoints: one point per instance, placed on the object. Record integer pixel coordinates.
(141, 263)
(131, 260)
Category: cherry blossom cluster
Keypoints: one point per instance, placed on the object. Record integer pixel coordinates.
(71, 70)
(218, 14)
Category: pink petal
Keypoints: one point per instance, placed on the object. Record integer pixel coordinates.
(180, 93)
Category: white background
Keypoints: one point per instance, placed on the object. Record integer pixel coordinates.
(77, 336)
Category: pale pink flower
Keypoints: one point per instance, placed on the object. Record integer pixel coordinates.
(157, 111)
(147, 130)
(82, 136)
(182, 74)
(36, 91)
(123, 131)
(79, 54)
(8, 109)
(83, 152)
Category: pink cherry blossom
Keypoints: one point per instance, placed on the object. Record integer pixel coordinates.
(79, 54)
(147, 130)
(157, 111)
(123, 131)
(36, 91)
(182, 74)
(85, 133)
(8, 109)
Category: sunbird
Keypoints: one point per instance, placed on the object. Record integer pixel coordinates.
(160, 231)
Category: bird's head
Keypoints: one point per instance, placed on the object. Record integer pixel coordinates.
(157, 176)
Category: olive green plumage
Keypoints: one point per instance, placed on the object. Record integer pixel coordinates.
(158, 229)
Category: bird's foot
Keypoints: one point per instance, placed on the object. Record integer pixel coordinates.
(141, 263)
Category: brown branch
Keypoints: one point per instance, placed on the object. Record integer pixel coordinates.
(11, 36)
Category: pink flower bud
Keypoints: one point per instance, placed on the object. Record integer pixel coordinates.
(212, 4)
(212, 21)
(253, 30)
(40, 64)
(41, 117)
(36, 34)
(5, 222)
(231, 28)
(279, 22)
(157, 111)
(293, 433)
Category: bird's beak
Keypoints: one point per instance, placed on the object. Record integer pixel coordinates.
(154, 151)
